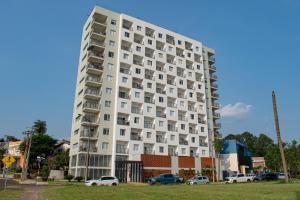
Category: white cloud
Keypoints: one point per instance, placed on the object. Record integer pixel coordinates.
(236, 110)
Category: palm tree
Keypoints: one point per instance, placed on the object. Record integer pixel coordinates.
(40, 127)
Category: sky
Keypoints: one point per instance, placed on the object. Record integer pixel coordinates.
(257, 46)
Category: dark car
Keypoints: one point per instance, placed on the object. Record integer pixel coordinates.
(266, 177)
(165, 179)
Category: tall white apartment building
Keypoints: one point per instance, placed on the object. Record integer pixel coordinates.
(141, 90)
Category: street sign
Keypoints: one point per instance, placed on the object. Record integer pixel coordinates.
(8, 160)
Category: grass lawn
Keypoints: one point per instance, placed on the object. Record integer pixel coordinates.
(10, 194)
(247, 191)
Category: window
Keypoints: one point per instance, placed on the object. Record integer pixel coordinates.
(203, 152)
(198, 66)
(161, 149)
(135, 147)
(137, 94)
(110, 66)
(107, 117)
(149, 85)
(171, 90)
(172, 113)
(189, 54)
(139, 49)
(149, 108)
(191, 94)
(183, 151)
(160, 35)
(106, 131)
(113, 22)
(126, 34)
(202, 129)
(190, 74)
(107, 103)
(160, 76)
(112, 32)
(150, 42)
(161, 123)
(181, 82)
(160, 55)
(172, 137)
(125, 56)
(193, 140)
(179, 42)
(124, 80)
(170, 48)
(138, 71)
(122, 132)
(171, 68)
(182, 126)
(104, 145)
(109, 78)
(149, 62)
(192, 116)
(149, 134)
(111, 43)
(123, 105)
(197, 48)
(108, 90)
(199, 86)
(136, 120)
(111, 54)
(161, 99)
(139, 28)
(179, 61)
(181, 103)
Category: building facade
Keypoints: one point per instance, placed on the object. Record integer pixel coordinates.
(141, 90)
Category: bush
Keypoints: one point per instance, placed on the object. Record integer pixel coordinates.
(44, 172)
(79, 178)
(69, 177)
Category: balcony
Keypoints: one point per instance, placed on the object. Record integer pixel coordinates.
(183, 142)
(214, 95)
(89, 121)
(211, 59)
(86, 135)
(214, 77)
(91, 107)
(121, 121)
(136, 137)
(85, 149)
(171, 82)
(161, 115)
(217, 125)
(216, 105)
(216, 115)
(149, 151)
(149, 125)
(121, 149)
(125, 71)
(203, 144)
(150, 77)
(136, 110)
(192, 131)
(171, 105)
(137, 86)
(92, 93)
(214, 86)
(149, 100)
(96, 44)
(98, 34)
(93, 81)
(161, 139)
(212, 68)
(94, 69)
(160, 91)
(124, 95)
(95, 56)
(172, 128)
(201, 121)
(99, 22)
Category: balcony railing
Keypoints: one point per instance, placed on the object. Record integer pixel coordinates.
(125, 71)
(87, 134)
(92, 92)
(93, 79)
(91, 105)
(85, 149)
(217, 115)
(216, 105)
(160, 91)
(136, 111)
(161, 140)
(123, 95)
(137, 86)
(172, 105)
(149, 151)
(212, 59)
(149, 125)
(137, 63)
(217, 125)
(95, 66)
(172, 128)
(136, 137)
(213, 76)
(121, 150)
(212, 67)
(97, 43)
(200, 100)
(203, 144)
(215, 95)
(183, 142)
(123, 122)
(94, 31)
(95, 54)
(201, 121)
(161, 115)
(148, 76)
(170, 82)
(148, 100)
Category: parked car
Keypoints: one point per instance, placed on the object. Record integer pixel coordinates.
(281, 176)
(104, 180)
(266, 177)
(239, 178)
(165, 179)
(198, 180)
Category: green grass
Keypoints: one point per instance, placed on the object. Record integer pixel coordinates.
(10, 194)
(247, 191)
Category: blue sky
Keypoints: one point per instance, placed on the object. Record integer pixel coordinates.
(257, 47)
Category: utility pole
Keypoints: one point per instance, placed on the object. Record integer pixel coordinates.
(27, 154)
(279, 137)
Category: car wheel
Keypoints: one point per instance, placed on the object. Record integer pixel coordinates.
(114, 184)
(248, 180)
(94, 184)
(234, 181)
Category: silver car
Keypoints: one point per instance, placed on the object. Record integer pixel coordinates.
(196, 180)
(104, 180)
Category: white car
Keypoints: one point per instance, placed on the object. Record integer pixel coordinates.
(239, 178)
(198, 180)
(104, 180)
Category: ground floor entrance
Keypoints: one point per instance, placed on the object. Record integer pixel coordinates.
(129, 171)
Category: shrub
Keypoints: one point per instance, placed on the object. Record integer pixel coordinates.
(79, 178)
(69, 177)
(44, 172)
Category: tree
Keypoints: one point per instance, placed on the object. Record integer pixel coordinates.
(40, 127)
(41, 145)
(292, 152)
(59, 161)
(10, 138)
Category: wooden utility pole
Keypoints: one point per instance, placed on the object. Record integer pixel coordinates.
(279, 137)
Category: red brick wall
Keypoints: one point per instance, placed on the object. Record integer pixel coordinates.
(156, 160)
(148, 173)
(186, 162)
(207, 162)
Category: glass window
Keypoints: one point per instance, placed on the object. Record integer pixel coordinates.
(161, 149)
(123, 105)
(111, 43)
(107, 117)
(139, 28)
(137, 94)
(122, 132)
(127, 34)
(104, 145)
(113, 22)
(107, 103)
(135, 147)
(109, 78)
(108, 90)
(105, 131)
(149, 134)
(111, 54)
